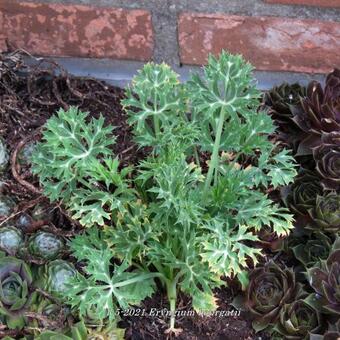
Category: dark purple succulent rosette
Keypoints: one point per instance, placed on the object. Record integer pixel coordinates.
(268, 239)
(325, 280)
(320, 112)
(282, 102)
(270, 287)
(332, 89)
(298, 320)
(300, 197)
(312, 250)
(326, 213)
(327, 159)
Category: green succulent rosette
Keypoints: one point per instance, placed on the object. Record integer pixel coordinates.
(7, 205)
(325, 280)
(326, 213)
(109, 332)
(4, 157)
(298, 320)
(15, 290)
(49, 313)
(11, 239)
(45, 245)
(26, 153)
(314, 249)
(99, 328)
(58, 273)
(270, 287)
(91, 318)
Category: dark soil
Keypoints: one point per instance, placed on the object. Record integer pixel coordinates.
(28, 97)
(145, 323)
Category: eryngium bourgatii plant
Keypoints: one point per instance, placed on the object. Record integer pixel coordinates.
(168, 219)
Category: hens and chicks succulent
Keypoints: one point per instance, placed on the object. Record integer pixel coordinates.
(303, 301)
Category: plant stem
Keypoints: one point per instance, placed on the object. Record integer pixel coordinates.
(215, 157)
(196, 156)
(156, 125)
(155, 116)
(172, 296)
(137, 279)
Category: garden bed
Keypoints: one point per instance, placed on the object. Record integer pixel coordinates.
(33, 94)
(29, 97)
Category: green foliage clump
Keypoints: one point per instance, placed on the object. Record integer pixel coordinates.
(69, 167)
(168, 218)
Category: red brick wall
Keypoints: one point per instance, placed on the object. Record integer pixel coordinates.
(76, 30)
(322, 3)
(271, 43)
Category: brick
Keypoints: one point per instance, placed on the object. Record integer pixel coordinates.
(269, 43)
(318, 3)
(76, 30)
